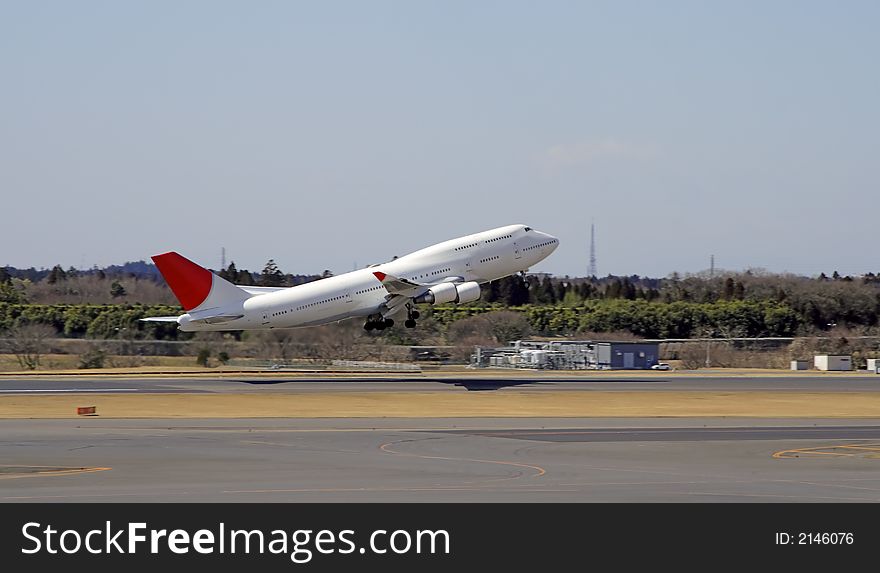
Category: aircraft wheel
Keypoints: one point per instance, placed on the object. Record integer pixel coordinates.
(368, 326)
(389, 323)
(415, 315)
(410, 323)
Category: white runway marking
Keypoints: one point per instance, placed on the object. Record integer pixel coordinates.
(58, 390)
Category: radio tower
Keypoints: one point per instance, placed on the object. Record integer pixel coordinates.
(222, 258)
(592, 270)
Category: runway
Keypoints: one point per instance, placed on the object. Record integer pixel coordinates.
(415, 452)
(441, 460)
(410, 383)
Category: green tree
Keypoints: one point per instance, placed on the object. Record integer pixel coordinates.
(491, 292)
(271, 275)
(56, 274)
(245, 278)
(628, 290)
(614, 289)
(230, 273)
(561, 290)
(728, 289)
(117, 290)
(513, 291)
(203, 356)
(544, 292)
(93, 358)
(10, 294)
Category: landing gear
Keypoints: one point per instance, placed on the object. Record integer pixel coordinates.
(411, 316)
(378, 323)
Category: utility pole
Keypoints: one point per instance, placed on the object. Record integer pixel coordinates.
(711, 266)
(222, 258)
(709, 337)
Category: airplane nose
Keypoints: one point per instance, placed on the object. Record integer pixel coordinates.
(546, 243)
(549, 237)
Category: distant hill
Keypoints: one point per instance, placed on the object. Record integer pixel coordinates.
(140, 269)
(136, 269)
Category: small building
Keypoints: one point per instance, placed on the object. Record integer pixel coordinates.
(800, 364)
(874, 365)
(830, 362)
(626, 355)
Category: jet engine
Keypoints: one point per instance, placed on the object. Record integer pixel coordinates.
(450, 292)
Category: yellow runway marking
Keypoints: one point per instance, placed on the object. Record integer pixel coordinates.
(390, 489)
(540, 471)
(832, 450)
(47, 471)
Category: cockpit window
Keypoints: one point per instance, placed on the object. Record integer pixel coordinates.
(528, 228)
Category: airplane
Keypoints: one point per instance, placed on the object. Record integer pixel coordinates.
(448, 272)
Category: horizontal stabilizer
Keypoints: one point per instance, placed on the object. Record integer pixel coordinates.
(260, 289)
(217, 318)
(160, 319)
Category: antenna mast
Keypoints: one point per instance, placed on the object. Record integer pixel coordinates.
(592, 270)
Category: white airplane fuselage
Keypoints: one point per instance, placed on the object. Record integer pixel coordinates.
(480, 258)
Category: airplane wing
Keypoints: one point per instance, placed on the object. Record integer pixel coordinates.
(398, 286)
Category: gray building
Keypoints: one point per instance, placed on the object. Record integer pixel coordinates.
(626, 355)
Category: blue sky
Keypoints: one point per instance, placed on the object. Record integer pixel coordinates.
(329, 134)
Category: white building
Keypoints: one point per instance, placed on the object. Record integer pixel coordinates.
(829, 362)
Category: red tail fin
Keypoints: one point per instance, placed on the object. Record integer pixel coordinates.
(189, 282)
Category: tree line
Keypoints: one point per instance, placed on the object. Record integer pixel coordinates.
(721, 319)
(751, 303)
(724, 319)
